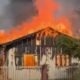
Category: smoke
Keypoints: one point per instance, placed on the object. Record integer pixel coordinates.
(14, 12)
(71, 9)
(3, 18)
(22, 10)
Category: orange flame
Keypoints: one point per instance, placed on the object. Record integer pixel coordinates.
(45, 18)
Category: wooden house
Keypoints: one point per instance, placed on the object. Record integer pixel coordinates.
(27, 50)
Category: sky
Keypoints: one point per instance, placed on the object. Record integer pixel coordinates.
(14, 12)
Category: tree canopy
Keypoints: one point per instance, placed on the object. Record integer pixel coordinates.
(68, 45)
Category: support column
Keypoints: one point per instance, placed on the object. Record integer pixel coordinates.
(3, 55)
(44, 68)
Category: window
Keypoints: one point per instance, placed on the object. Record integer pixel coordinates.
(62, 60)
(49, 41)
(18, 60)
(30, 60)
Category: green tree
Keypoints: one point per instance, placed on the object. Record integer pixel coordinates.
(68, 44)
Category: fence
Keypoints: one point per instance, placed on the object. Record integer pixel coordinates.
(3, 73)
(29, 73)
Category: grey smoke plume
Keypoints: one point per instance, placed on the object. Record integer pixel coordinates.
(71, 9)
(21, 10)
(14, 12)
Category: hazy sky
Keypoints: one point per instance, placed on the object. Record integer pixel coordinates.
(13, 12)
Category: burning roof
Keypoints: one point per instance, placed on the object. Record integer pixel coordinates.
(15, 34)
(45, 18)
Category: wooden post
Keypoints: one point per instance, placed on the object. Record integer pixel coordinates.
(44, 73)
(3, 55)
(44, 69)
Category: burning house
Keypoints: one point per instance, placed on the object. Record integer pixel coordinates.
(29, 49)
(25, 45)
